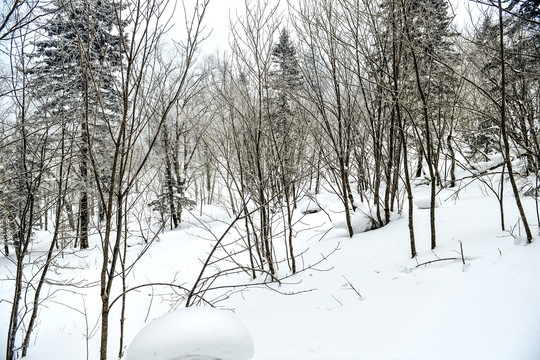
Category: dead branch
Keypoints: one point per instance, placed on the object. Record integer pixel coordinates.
(436, 260)
(352, 286)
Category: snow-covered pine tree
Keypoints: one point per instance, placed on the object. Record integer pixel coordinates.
(431, 35)
(285, 80)
(483, 137)
(75, 67)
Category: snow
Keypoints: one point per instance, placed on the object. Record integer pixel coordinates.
(485, 309)
(360, 219)
(494, 161)
(194, 333)
(309, 204)
(424, 202)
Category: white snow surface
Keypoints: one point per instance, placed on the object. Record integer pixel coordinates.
(193, 333)
(354, 298)
(424, 202)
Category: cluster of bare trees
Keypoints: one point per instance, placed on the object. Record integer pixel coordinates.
(372, 100)
(100, 124)
(80, 121)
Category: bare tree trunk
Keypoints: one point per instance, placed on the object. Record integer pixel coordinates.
(124, 285)
(46, 214)
(44, 270)
(389, 168)
(264, 219)
(397, 174)
(5, 233)
(500, 197)
(29, 175)
(345, 193)
(70, 216)
(14, 315)
(83, 204)
(420, 161)
(37, 293)
(401, 125)
(452, 161)
(428, 147)
(168, 177)
(507, 156)
(410, 199)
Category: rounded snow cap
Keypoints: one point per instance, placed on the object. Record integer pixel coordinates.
(193, 333)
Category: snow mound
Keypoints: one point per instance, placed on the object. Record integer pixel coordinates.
(495, 160)
(360, 221)
(424, 202)
(193, 333)
(309, 205)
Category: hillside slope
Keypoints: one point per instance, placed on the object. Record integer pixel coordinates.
(364, 298)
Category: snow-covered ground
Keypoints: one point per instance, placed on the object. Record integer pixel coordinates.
(367, 300)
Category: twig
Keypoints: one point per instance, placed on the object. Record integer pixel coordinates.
(86, 335)
(174, 286)
(352, 286)
(340, 303)
(149, 305)
(461, 249)
(437, 260)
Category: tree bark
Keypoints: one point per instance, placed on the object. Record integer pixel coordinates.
(83, 204)
(452, 161)
(504, 133)
(169, 178)
(428, 147)
(401, 125)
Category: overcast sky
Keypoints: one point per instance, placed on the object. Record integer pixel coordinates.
(217, 19)
(218, 12)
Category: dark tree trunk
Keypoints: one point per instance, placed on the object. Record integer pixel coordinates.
(169, 178)
(500, 197)
(14, 316)
(85, 144)
(428, 147)
(58, 215)
(6, 238)
(504, 134)
(452, 161)
(389, 168)
(420, 162)
(345, 190)
(401, 125)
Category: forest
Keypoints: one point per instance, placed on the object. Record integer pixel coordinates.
(117, 132)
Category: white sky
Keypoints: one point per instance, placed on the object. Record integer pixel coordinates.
(217, 19)
(220, 11)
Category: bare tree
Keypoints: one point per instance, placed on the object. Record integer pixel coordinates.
(332, 105)
(504, 132)
(252, 41)
(23, 177)
(139, 73)
(17, 15)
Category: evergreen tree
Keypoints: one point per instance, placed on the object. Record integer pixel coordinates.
(426, 27)
(433, 40)
(76, 64)
(523, 55)
(484, 137)
(528, 10)
(285, 81)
